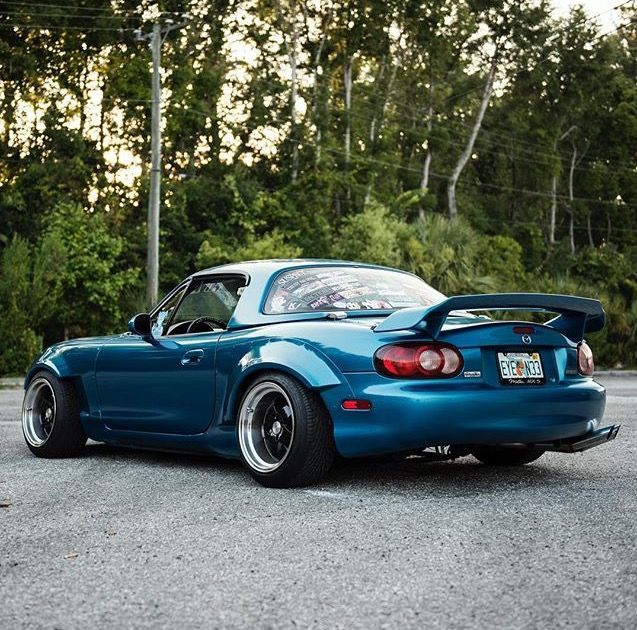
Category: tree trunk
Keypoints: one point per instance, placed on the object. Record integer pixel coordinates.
(571, 210)
(424, 181)
(290, 41)
(377, 83)
(377, 125)
(466, 154)
(347, 81)
(8, 108)
(553, 209)
(325, 22)
(80, 93)
(293, 67)
(576, 158)
(317, 122)
(553, 214)
(102, 118)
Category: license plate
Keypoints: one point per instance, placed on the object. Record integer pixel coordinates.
(520, 368)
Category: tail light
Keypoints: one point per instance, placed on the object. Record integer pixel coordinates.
(423, 360)
(524, 330)
(585, 363)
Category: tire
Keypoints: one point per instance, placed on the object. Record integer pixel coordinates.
(284, 433)
(506, 456)
(51, 417)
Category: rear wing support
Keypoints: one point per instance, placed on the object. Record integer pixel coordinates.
(576, 315)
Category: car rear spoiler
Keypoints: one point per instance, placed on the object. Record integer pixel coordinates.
(576, 315)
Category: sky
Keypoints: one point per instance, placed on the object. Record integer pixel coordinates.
(608, 20)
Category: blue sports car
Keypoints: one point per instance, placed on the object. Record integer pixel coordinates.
(286, 363)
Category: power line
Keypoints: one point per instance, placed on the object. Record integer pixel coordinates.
(465, 185)
(368, 160)
(418, 117)
(441, 139)
(446, 141)
(559, 155)
(354, 114)
(39, 27)
(419, 113)
(68, 15)
(549, 57)
(450, 129)
(80, 8)
(588, 159)
(488, 220)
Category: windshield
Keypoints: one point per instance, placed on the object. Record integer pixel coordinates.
(347, 289)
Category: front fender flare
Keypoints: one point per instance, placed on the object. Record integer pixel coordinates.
(57, 365)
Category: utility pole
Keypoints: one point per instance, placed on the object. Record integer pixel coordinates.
(157, 37)
(154, 196)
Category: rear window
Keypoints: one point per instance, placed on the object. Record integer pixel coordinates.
(347, 289)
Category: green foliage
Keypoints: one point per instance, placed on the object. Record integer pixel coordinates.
(372, 236)
(91, 280)
(450, 256)
(362, 177)
(603, 265)
(501, 258)
(616, 344)
(19, 343)
(215, 251)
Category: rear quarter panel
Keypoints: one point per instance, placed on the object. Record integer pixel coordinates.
(293, 348)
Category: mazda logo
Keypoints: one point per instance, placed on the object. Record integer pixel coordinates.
(526, 339)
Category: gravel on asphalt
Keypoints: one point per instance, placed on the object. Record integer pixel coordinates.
(123, 538)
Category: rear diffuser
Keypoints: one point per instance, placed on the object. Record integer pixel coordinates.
(581, 443)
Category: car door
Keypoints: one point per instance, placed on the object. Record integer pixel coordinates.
(166, 384)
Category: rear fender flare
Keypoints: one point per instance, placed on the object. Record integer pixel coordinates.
(290, 356)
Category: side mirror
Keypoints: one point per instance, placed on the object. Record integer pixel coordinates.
(140, 325)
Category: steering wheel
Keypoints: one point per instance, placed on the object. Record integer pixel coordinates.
(205, 320)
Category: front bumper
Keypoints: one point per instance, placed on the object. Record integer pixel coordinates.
(408, 415)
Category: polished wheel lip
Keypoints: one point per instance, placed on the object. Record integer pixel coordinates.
(33, 409)
(249, 426)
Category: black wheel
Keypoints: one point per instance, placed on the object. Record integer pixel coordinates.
(284, 433)
(506, 456)
(51, 417)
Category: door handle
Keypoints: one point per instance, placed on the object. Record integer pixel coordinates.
(192, 357)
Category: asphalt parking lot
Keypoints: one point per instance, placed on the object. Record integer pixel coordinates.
(132, 539)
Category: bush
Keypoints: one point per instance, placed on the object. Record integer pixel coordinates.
(372, 236)
(501, 258)
(92, 279)
(450, 256)
(216, 251)
(20, 344)
(616, 344)
(603, 265)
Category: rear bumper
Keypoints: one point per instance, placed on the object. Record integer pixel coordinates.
(409, 415)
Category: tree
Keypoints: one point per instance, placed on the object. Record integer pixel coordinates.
(20, 344)
(513, 30)
(93, 278)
